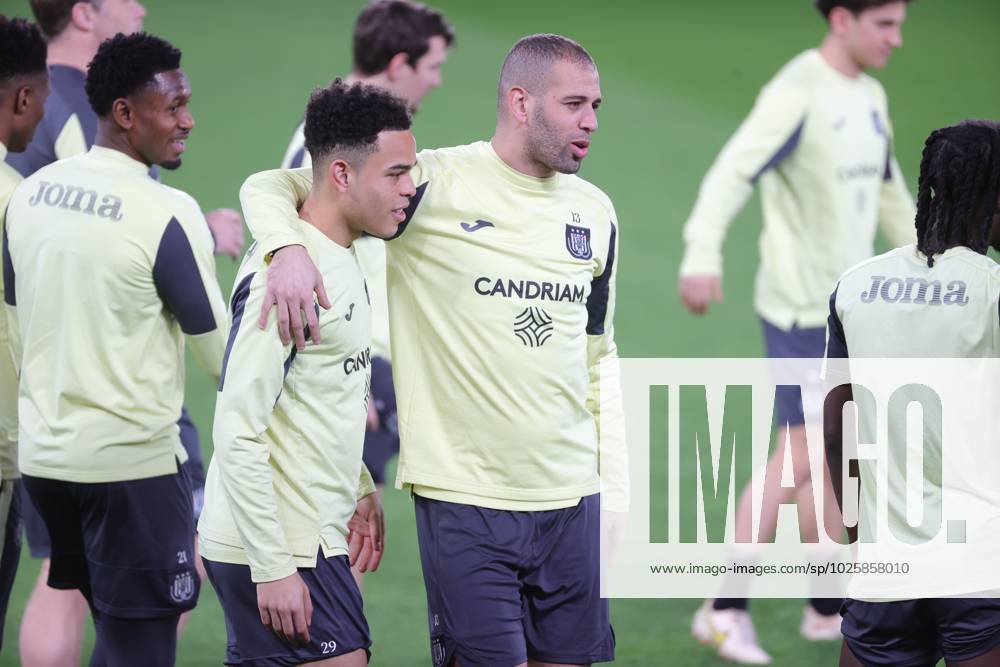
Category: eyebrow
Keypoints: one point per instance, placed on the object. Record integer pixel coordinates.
(402, 167)
(580, 98)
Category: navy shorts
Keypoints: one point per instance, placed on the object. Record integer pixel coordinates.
(10, 519)
(503, 587)
(921, 632)
(338, 622)
(797, 343)
(383, 444)
(127, 546)
(34, 528)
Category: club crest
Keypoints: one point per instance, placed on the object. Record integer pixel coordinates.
(578, 242)
(182, 589)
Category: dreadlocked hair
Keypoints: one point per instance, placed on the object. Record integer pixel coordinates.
(959, 187)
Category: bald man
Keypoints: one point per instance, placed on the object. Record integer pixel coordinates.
(500, 314)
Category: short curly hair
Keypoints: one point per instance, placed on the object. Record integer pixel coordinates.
(853, 6)
(22, 49)
(387, 27)
(349, 118)
(125, 64)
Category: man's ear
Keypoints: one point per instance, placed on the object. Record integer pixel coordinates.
(83, 16)
(340, 175)
(397, 66)
(841, 19)
(22, 98)
(517, 100)
(122, 113)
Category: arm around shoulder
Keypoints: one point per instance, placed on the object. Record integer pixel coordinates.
(271, 201)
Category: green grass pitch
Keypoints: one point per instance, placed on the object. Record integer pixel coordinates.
(677, 78)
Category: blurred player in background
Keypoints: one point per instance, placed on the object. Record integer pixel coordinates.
(501, 306)
(74, 30)
(819, 143)
(400, 46)
(24, 86)
(290, 424)
(99, 446)
(958, 220)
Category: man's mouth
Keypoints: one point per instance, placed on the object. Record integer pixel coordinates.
(580, 149)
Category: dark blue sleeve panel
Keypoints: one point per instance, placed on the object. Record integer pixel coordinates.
(411, 209)
(600, 291)
(782, 153)
(236, 306)
(305, 332)
(298, 158)
(8, 269)
(179, 284)
(836, 344)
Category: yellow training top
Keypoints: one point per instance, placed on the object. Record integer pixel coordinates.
(108, 271)
(501, 301)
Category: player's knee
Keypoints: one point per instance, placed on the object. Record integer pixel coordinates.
(39, 646)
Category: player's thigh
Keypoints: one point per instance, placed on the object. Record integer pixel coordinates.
(565, 619)
(968, 628)
(379, 448)
(57, 504)
(124, 642)
(10, 549)
(989, 659)
(353, 659)
(35, 531)
(470, 558)
(338, 626)
(139, 541)
(799, 393)
(847, 657)
(890, 633)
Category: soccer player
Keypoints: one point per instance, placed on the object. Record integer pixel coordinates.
(24, 85)
(400, 46)
(99, 396)
(958, 219)
(818, 141)
(501, 308)
(74, 29)
(289, 424)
